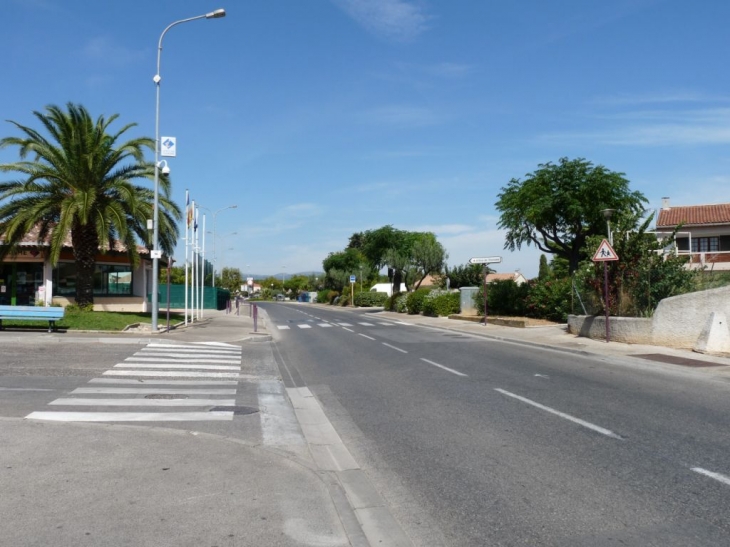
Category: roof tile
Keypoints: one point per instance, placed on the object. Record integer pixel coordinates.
(694, 215)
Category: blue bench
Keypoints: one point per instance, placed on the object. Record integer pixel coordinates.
(31, 313)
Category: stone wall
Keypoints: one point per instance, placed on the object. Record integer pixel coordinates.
(679, 321)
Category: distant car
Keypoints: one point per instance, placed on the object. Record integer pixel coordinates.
(280, 297)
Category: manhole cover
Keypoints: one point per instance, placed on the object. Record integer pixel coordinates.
(676, 360)
(237, 410)
(165, 396)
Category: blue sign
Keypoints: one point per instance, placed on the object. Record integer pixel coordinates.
(352, 279)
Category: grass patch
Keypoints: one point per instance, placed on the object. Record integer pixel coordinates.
(97, 320)
(712, 280)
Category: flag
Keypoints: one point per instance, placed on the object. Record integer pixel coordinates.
(195, 223)
(188, 209)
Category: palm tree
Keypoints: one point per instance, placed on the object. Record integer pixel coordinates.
(80, 183)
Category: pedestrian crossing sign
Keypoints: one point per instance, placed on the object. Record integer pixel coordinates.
(605, 252)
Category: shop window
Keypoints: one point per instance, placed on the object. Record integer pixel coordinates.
(109, 280)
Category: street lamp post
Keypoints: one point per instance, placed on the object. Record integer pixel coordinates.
(156, 214)
(607, 214)
(215, 215)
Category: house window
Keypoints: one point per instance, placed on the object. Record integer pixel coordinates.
(705, 244)
(109, 280)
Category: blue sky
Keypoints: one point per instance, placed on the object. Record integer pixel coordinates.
(320, 118)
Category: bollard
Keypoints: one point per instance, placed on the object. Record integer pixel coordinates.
(255, 317)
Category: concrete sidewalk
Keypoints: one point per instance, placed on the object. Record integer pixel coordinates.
(556, 337)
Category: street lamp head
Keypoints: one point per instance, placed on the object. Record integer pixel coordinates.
(234, 206)
(608, 213)
(217, 14)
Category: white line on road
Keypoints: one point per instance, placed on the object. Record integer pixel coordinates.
(366, 324)
(542, 375)
(305, 326)
(131, 416)
(717, 476)
(395, 348)
(325, 325)
(191, 349)
(176, 367)
(445, 368)
(196, 360)
(282, 327)
(189, 346)
(190, 352)
(68, 401)
(344, 324)
(169, 374)
(141, 382)
(387, 324)
(366, 336)
(573, 419)
(149, 390)
(348, 330)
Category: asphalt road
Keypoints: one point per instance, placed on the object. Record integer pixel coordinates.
(479, 442)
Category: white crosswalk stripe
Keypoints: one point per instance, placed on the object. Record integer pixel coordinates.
(305, 326)
(157, 371)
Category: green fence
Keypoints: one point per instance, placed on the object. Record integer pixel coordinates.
(213, 298)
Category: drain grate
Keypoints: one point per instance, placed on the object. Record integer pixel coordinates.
(676, 360)
(237, 410)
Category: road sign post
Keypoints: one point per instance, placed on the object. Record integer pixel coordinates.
(352, 289)
(605, 254)
(485, 260)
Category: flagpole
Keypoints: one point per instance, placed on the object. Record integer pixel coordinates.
(196, 266)
(202, 277)
(192, 266)
(187, 225)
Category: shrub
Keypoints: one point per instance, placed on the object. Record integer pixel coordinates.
(389, 304)
(77, 308)
(414, 301)
(369, 299)
(441, 303)
(549, 299)
(503, 298)
(400, 304)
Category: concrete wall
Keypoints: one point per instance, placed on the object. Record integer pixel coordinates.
(108, 303)
(679, 321)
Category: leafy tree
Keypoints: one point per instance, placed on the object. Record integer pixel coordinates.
(231, 279)
(558, 207)
(544, 272)
(80, 183)
(643, 275)
(427, 257)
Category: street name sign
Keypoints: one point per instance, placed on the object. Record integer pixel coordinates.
(485, 260)
(605, 253)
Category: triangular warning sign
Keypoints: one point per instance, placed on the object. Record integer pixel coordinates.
(605, 252)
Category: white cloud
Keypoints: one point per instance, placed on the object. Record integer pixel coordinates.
(391, 19)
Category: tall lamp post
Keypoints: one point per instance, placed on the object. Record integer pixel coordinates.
(156, 228)
(607, 214)
(215, 257)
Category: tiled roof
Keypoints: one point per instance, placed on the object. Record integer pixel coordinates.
(500, 277)
(31, 240)
(694, 215)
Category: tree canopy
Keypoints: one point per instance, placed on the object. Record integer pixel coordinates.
(558, 206)
(80, 183)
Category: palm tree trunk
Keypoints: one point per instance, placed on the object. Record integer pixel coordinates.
(86, 245)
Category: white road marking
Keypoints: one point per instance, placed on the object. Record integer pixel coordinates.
(305, 326)
(717, 476)
(348, 330)
(196, 360)
(598, 429)
(169, 374)
(395, 348)
(140, 382)
(344, 324)
(175, 367)
(387, 324)
(143, 402)
(542, 375)
(149, 390)
(325, 325)
(192, 346)
(404, 323)
(191, 352)
(131, 416)
(366, 336)
(366, 324)
(451, 370)
(282, 327)
(24, 389)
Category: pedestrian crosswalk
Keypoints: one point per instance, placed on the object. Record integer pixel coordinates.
(160, 382)
(309, 324)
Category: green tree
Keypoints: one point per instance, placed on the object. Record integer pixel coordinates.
(231, 279)
(544, 271)
(80, 183)
(465, 275)
(558, 207)
(427, 257)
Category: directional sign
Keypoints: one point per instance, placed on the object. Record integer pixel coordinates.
(485, 260)
(352, 279)
(605, 253)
